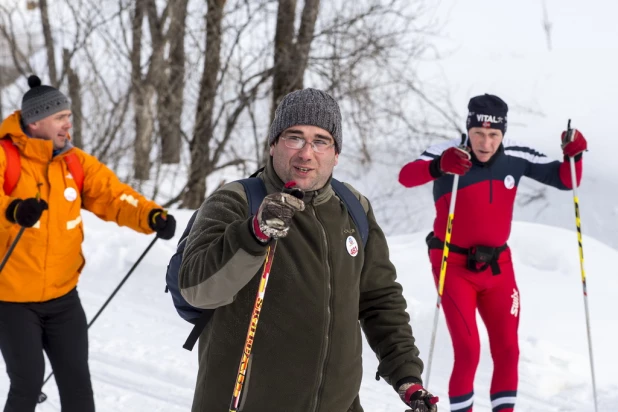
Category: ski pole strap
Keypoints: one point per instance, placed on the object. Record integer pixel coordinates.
(199, 326)
(479, 257)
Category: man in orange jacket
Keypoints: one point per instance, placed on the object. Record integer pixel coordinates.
(39, 305)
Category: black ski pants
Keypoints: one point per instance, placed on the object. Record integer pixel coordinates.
(59, 328)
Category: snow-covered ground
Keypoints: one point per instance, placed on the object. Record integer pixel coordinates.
(138, 364)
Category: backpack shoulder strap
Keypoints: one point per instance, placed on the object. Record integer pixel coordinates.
(355, 208)
(197, 329)
(76, 169)
(256, 192)
(13, 165)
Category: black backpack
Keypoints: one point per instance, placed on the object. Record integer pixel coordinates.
(256, 191)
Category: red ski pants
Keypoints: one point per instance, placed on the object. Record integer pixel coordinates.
(497, 299)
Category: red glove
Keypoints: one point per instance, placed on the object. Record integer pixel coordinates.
(455, 161)
(575, 146)
(417, 397)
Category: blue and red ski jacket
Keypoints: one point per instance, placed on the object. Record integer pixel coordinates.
(486, 194)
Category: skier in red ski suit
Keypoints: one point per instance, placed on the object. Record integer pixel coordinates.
(479, 270)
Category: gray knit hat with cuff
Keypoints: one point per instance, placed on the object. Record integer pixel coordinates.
(41, 101)
(310, 107)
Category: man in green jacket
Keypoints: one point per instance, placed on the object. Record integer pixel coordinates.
(306, 356)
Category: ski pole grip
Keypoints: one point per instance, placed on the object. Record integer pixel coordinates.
(290, 188)
(464, 140)
(569, 133)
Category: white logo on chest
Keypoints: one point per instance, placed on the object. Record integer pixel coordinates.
(352, 246)
(70, 194)
(509, 182)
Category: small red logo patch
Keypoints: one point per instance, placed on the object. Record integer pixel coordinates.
(486, 124)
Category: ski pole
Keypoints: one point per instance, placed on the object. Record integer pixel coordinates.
(257, 309)
(569, 137)
(43, 396)
(11, 248)
(255, 316)
(442, 279)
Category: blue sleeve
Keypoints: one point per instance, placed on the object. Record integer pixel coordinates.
(538, 166)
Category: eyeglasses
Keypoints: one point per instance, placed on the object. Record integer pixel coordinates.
(318, 146)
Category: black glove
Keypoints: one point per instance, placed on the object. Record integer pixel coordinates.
(275, 214)
(164, 225)
(26, 212)
(417, 398)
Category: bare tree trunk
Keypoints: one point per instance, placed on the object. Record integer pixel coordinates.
(284, 50)
(291, 51)
(171, 92)
(203, 129)
(142, 95)
(49, 43)
(303, 42)
(146, 87)
(75, 94)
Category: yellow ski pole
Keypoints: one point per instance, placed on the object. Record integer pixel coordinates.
(445, 251)
(569, 137)
(255, 317)
(235, 403)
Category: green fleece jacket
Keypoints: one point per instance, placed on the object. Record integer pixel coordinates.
(306, 356)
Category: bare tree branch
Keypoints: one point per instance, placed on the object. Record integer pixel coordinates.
(19, 58)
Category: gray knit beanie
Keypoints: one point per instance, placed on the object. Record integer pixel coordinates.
(41, 101)
(308, 107)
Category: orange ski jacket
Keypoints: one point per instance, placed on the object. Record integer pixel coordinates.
(47, 261)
